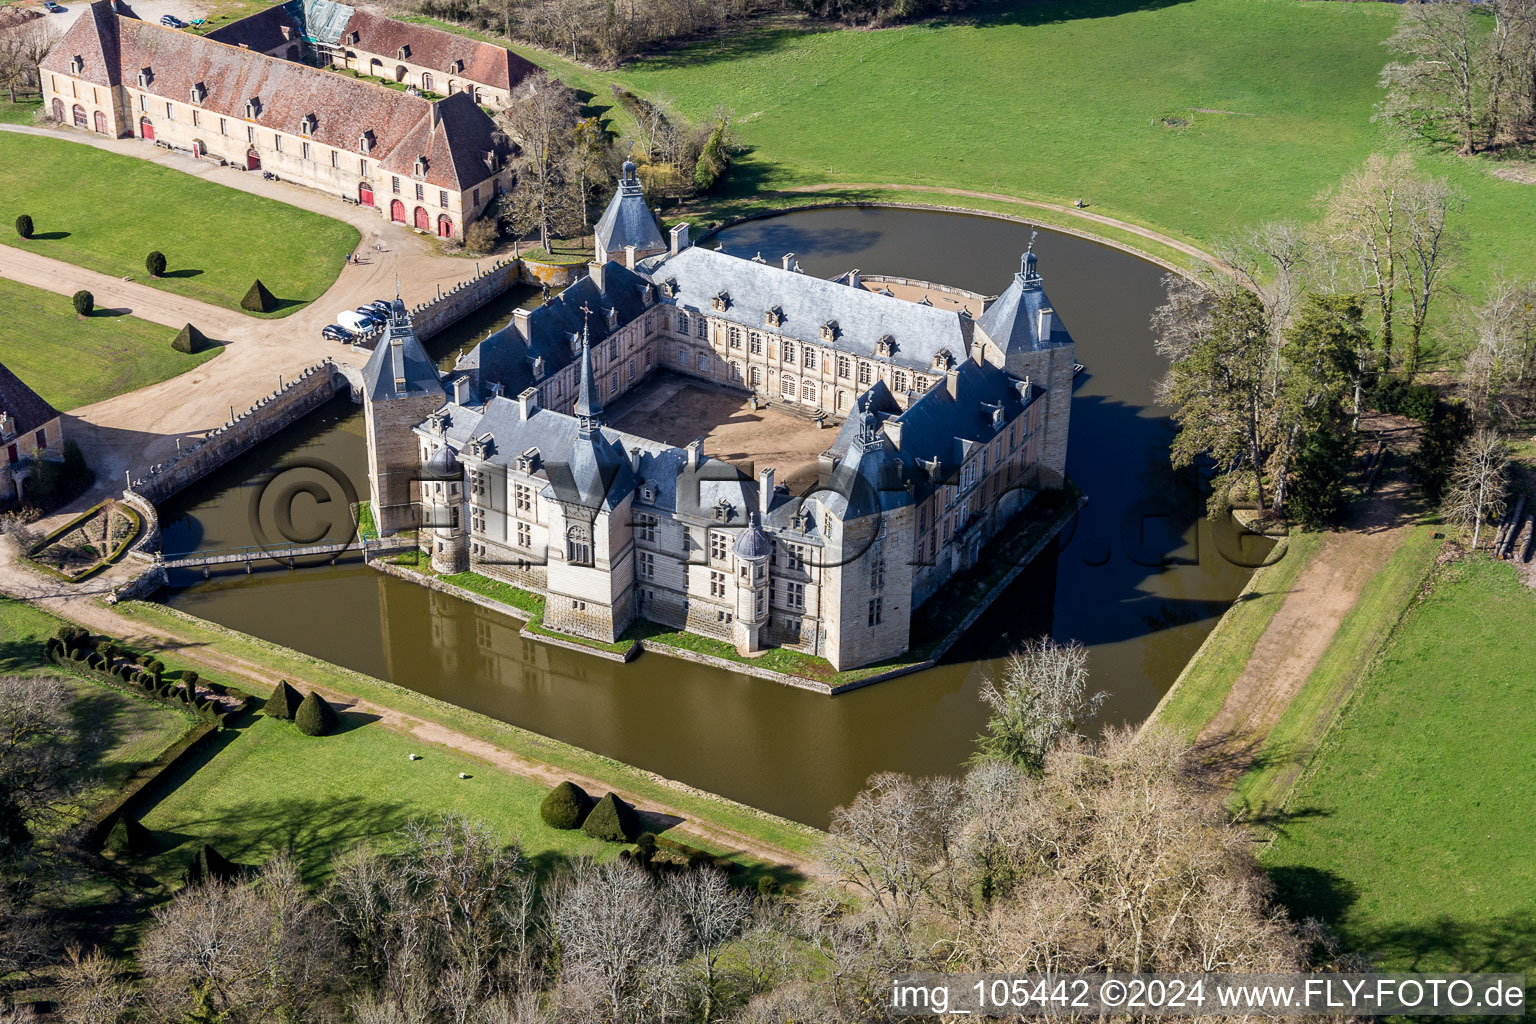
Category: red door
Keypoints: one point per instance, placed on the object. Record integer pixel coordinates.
(146, 129)
(12, 455)
(252, 160)
(79, 113)
(365, 194)
(397, 212)
(101, 123)
(444, 226)
(423, 219)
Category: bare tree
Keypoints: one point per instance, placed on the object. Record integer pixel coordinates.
(21, 47)
(712, 913)
(92, 990)
(541, 120)
(1041, 698)
(1438, 84)
(1427, 246)
(1364, 218)
(1475, 494)
(42, 754)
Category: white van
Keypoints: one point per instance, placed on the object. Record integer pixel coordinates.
(354, 321)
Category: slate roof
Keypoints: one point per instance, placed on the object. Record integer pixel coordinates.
(261, 31)
(753, 542)
(862, 317)
(114, 49)
(628, 220)
(22, 403)
(403, 370)
(1012, 321)
(433, 48)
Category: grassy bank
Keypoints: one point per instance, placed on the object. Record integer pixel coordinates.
(106, 212)
(73, 362)
(1410, 832)
(1201, 689)
(283, 661)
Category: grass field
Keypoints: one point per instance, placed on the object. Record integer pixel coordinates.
(73, 362)
(106, 212)
(1412, 831)
(20, 112)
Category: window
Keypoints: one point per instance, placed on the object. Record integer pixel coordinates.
(794, 557)
(394, 183)
(646, 565)
(578, 545)
(789, 351)
(306, 150)
(794, 596)
(170, 112)
(196, 121)
(682, 324)
(808, 392)
(613, 382)
(755, 343)
(477, 520)
(875, 610)
(701, 328)
(792, 627)
(866, 375)
(787, 388)
(844, 366)
(810, 358)
(877, 574)
(362, 168)
(717, 584)
(421, 191)
(442, 199)
(719, 545)
(755, 377)
(704, 362)
(735, 334)
(646, 526)
(522, 497)
(682, 356)
(524, 535)
(223, 127)
(899, 381)
(250, 135)
(335, 159)
(474, 199)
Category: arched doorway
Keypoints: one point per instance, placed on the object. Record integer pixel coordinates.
(79, 114)
(58, 110)
(444, 226)
(199, 147)
(376, 68)
(101, 123)
(365, 194)
(397, 212)
(146, 129)
(399, 72)
(252, 159)
(423, 219)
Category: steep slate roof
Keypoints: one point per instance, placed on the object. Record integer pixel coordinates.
(1012, 321)
(627, 220)
(21, 402)
(115, 48)
(433, 48)
(262, 30)
(862, 317)
(391, 364)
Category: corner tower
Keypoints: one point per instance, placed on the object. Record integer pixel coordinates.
(400, 389)
(628, 222)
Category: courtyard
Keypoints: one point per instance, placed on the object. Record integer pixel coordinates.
(675, 410)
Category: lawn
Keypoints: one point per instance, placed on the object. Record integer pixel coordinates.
(106, 212)
(20, 112)
(268, 787)
(1412, 829)
(73, 362)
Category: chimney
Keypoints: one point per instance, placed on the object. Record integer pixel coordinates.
(435, 117)
(1046, 313)
(528, 402)
(952, 381)
(679, 239)
(634, 460)
(629, 257)
(595, 272)
(461, 390)
(853, 278)
(695, 452)
(892, 427)
(789, 261)
(520, 318)
(764, 490)
(287, 32)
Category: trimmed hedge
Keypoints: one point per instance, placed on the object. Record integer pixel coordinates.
(129, 838)
(155, 263)
(612, 820)
(259, 299)
(566, 806)
(284, 702)
(24, 226)
(315, 716)
(84, 302)
(189, 340)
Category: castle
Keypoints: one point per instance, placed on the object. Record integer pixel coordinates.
(243, 95)
(950, 425)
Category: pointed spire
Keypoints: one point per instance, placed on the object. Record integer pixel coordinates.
(589, 411)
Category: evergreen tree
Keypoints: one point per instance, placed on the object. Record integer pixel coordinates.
(612, 820)
(315, 716)
(284, 702)
(566, 806)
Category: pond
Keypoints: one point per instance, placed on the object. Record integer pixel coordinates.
(1140, 579)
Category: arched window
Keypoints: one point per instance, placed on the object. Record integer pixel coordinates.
(682, 318)
(842, 400)
(399, 72)
(376, 68)
(426, 80)
(899, 381)
(755, 377)
(787, 388)
(735, 371)
(808, 393)
(578, 545)
(79, 114)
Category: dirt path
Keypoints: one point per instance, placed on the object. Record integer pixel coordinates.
(1305, 624)
(82, 605)
(999, 197)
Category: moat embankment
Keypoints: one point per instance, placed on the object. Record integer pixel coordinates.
(1140, 579)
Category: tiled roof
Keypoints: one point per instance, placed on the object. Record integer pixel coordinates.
(22, 403)
(433, 48)
(115, 49)
(261, 31)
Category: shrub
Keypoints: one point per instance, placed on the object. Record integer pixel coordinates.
(129, 838)
(767, 885)
(645, 848)
(156, 666)
(83, 302)
(566, 806)
(315, 716)
(96, 661)
(109, 651)
(481, 236)
(208, 864)
(155, 263)
(189, 340)
(191, 678)
(24, 226)
(258, 299)
(72, 637)
(78, 654)
(285, 700)
(187, 694)
(612, 820)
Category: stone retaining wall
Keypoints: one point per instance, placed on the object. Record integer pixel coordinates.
(296, 399)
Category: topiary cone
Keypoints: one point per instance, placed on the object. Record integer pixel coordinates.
(566, 806)
(189, 340)
(612, 820)
(258, 299)
(315, 717)
(284, 702)
(129, 838)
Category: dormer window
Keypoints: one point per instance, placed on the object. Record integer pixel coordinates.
(199, 93)
(613, 319)
(145, 77)
(886, 346)
(419, 169)
(365, 143)
(538, 367)
(308, 125)
(489, 156)
(649, 295)
(356, 38)
(528, 461)
(76, 65)
(829, 331)
(724, 511)
(457, 67)
(774, 317)
(722, 301)
(403, 52)
(647, 492)
(253, 108)
(669, 287)
(943, 359)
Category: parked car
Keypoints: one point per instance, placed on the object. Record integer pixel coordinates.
(333, 332)
(356, 322)
(171, 21)
(383, 307)
(51, 7)
(372, 314)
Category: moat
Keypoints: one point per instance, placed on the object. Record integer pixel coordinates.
(1141, 578)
